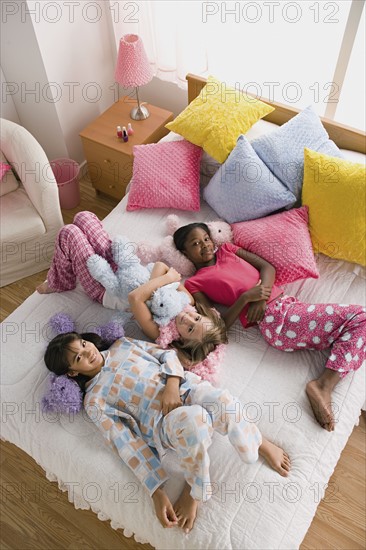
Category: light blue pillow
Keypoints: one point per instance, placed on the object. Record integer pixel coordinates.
(244, 188)
(283, 150)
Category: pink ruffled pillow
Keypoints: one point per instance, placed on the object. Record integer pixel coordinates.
(166, 175)
(283, 240)
(3, 169)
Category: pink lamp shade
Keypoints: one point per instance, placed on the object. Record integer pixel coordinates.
(133, 68)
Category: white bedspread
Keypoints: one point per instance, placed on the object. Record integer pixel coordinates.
(252, 506)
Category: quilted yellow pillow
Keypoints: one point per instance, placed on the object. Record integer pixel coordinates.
(217, 117)
(334, 189)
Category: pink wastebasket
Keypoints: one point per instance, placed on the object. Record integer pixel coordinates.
(66, 173)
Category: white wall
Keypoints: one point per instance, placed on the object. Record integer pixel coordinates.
(66, 55)
(25, 75)
(79, 60)
(7, 107)
(58, 61)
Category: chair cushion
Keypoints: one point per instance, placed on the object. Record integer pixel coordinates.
(20, 221)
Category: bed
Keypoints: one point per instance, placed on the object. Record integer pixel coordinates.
(252, 506)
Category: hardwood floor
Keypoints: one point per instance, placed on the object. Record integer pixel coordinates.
(36, 515)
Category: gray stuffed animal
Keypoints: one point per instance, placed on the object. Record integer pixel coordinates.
(165, 303)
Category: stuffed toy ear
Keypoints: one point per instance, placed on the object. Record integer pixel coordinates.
(113, 330)
(172, 224)
(63, 395)
(61, 323)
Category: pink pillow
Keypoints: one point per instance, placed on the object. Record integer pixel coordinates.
(165, 175)
(283, 240)
(3, 169)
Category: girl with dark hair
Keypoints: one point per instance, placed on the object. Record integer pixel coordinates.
(195, 333)
(128, 395)
(244, 282)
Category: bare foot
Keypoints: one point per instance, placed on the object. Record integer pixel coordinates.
(320, 398)
(276, 457)
(186, 509)
(43, 288)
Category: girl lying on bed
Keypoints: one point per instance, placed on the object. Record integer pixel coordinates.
(143, 402)
(196, 333)
(243, 281)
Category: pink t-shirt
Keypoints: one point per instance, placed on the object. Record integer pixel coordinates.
(225, 281)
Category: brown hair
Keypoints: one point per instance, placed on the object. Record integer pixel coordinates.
(195, 351)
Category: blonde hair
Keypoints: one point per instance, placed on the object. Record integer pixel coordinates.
(195, 351)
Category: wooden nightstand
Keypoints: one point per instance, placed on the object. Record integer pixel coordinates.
(110, 159)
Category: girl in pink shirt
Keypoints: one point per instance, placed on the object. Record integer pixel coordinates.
(244, 282)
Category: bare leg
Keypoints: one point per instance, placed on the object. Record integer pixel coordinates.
(319, 393)
(186, 509)
(276, 457)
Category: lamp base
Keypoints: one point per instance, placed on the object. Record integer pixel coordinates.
(139, 113)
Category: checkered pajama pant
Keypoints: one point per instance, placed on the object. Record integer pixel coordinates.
(189, 429)
(74, 244)
(290, 325)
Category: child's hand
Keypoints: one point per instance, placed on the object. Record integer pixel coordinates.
(257, 293)
(164, 509)
(173, 275)
(170, 399)
(256, 311)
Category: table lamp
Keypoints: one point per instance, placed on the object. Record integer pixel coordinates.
(133, 70)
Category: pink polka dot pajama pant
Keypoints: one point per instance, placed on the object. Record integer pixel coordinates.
(290, 325)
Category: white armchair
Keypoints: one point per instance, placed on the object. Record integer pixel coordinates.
(30, 209)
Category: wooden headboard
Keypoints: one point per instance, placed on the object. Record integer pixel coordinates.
(344, 136)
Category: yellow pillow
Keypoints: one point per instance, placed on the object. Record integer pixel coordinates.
(334, 189)
(217, 117)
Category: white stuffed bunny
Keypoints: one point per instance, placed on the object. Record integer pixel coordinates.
(165, 303)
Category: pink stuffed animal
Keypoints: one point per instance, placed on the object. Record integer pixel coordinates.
(166, 252)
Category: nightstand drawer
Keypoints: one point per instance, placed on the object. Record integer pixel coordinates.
(109, 171)
(110, 186)
(104, 159)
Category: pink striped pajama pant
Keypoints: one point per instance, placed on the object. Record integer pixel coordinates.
(75, 243)
(290, 325)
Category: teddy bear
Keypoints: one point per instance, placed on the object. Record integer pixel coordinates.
(166, 251)
(165, 303)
